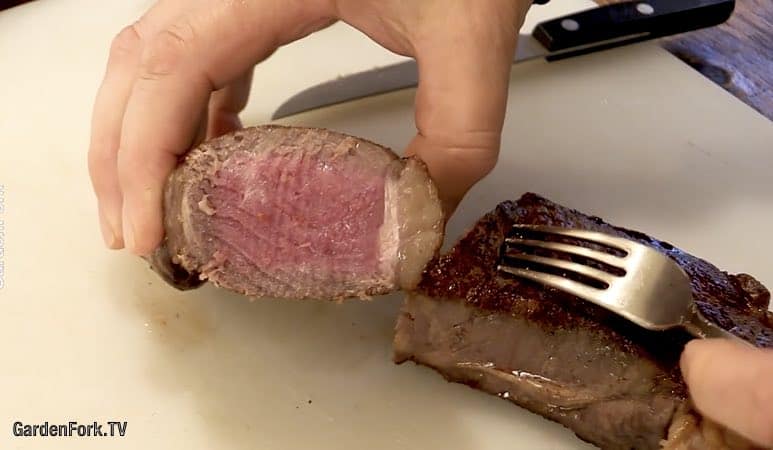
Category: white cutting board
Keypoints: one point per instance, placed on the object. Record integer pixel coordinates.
(87, 334)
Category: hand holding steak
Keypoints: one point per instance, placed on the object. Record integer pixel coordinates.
(298, 213)
(184, 69)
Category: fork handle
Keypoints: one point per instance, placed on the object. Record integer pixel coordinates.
(699, 326)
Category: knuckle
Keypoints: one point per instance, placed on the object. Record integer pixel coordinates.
(126, 43)
(474, 144)
(166, 51)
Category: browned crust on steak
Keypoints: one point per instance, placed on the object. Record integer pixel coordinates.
(737, 303)
(613, 383)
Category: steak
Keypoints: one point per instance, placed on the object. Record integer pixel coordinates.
(298, 213)
(614, 384)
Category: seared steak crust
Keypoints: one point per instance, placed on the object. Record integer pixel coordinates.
(611, 382)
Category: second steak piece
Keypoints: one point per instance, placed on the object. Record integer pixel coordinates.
(612, 383)
(298, 213)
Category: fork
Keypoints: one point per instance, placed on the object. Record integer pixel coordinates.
(646, 287)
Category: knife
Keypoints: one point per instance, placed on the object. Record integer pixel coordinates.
(563, 37)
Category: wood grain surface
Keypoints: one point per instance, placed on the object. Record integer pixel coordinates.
(737, 55)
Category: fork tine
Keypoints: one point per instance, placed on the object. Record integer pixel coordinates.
(582, 269)
(605, 258)
(592, 236)
(563, 284)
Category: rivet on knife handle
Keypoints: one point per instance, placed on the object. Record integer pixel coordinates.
(624, 23)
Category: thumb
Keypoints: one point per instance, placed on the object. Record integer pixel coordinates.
(732, 384)
(464, 74)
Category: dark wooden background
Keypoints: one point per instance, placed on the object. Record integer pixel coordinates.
(737, 55)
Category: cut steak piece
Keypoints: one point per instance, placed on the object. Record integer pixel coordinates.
(298, 213)
(614, 384)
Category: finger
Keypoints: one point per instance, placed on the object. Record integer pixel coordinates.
(732, 384)
(108, 113)
(225, 105)
(106, 131)
(179, 69)
(461, 99)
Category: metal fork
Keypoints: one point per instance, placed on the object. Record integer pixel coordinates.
(650, 289)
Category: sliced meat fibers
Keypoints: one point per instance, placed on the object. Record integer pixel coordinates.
(298, 213)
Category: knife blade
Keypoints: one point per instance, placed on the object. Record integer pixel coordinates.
(568, 36)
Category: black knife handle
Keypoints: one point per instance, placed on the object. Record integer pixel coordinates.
(620, 23)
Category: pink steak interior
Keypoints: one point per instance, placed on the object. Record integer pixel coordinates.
(297, 217)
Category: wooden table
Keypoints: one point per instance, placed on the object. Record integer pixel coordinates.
(738, 55)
